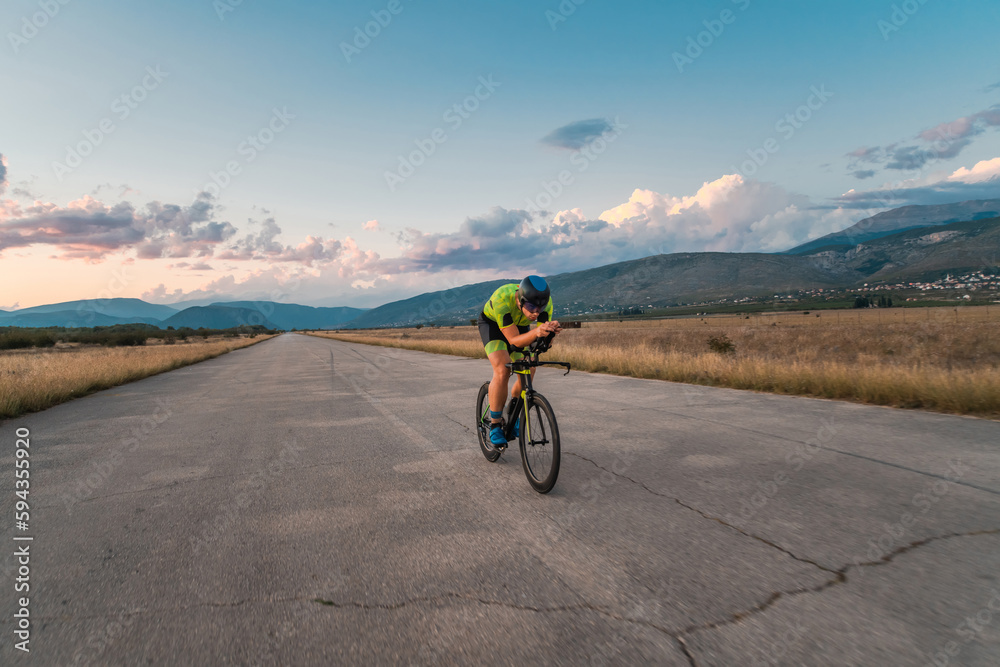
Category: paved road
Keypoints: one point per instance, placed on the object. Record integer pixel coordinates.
(307, 501)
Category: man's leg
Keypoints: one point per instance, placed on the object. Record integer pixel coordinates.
(500, 381)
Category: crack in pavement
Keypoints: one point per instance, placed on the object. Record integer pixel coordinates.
(709, 516)
(457, 422)
(584, 606)
(676, 635)
(823, 447)
(840, 575)
(841, 578)
(686, 651)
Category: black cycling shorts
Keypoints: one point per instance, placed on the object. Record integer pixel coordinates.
(493, 338)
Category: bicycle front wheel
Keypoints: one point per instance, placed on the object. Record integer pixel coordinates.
(539, 441)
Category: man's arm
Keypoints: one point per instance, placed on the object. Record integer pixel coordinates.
(517, 339)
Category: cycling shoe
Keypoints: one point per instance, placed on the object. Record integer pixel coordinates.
(497, 437)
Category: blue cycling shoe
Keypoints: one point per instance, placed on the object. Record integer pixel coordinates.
(497, 436)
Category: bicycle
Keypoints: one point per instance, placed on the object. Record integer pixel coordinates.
(538, 437)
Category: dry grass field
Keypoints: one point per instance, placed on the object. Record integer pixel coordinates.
(940, 359)
(35, 379)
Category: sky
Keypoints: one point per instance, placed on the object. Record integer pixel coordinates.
(351, 154)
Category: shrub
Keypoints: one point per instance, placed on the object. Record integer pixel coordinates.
(15, 341)
(44, 340)
(721, 344)
(126, 338)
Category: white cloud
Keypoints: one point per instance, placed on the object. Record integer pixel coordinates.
(982, 171)
(981, 181)
(729, 214)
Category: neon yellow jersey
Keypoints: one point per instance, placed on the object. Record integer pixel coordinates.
(502, 308)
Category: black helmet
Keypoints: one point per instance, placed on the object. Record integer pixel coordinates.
(534, 290)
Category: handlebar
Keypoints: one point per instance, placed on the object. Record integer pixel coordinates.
(541, 345)
(537, 347)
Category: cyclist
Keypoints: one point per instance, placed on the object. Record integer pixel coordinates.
(505, 327)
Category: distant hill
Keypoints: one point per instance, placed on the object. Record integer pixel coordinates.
(901, 219)
(108, 312)
(458, 304)
(925, 253)
(662, 280)
(179, 306)
(216, 317)
(67, 318)
(293, 316)
(668, 280)
(130, 310)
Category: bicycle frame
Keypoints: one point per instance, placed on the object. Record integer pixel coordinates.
(523, 368)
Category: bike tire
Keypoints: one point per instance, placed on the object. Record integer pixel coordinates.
(482, 424)
(539, 443)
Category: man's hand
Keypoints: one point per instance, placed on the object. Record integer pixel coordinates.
(546, 328)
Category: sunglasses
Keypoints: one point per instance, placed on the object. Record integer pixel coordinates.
(531, 307)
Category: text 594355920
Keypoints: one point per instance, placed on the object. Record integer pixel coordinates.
(22, 550)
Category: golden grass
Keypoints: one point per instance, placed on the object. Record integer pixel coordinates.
(929, 362)
(34, 379)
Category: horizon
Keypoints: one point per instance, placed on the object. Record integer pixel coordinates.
(356, 156)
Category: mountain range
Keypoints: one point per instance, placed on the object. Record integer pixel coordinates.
(220, 315)
(902, 219)
(912, 243)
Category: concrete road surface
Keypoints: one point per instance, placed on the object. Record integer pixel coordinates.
(310, 502)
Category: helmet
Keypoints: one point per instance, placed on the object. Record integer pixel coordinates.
(534, 290)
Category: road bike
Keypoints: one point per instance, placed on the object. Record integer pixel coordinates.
(538, 433)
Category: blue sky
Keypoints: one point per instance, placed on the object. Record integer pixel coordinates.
(368, 184)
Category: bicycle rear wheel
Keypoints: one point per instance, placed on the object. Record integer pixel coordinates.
(483, 424)
(539, 441)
